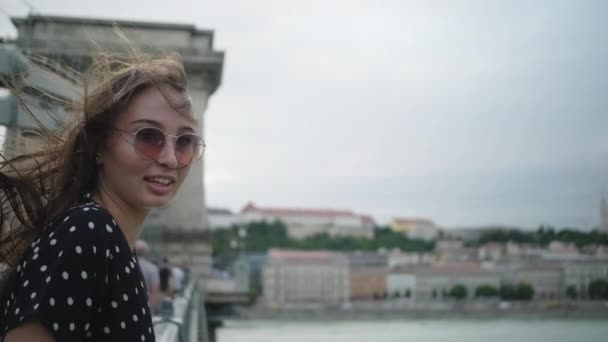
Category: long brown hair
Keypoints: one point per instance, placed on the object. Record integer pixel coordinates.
(37, 185)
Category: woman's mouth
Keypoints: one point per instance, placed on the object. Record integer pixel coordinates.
(159, 185)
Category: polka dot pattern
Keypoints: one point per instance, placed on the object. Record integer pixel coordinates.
(80, 279)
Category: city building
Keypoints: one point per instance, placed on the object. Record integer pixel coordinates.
(415, 228)
(435, 281)
(546, 278)
(491, 251)
(454, 250)
(561, 250)
(305, 279)
(523, 251)
(221, 218)
(580, 273)
(368, 272)
(401, 282)
(302, 223)
(397, 258)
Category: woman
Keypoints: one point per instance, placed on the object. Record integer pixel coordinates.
(72, 212)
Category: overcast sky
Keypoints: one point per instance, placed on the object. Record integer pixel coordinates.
(465, 112)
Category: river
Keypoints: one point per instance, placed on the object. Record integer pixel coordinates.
(416, 330)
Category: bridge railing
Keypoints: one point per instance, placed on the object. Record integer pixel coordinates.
(179, 320)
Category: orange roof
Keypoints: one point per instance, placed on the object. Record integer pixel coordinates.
(251, 207)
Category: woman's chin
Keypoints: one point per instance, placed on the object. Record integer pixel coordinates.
(157, 202)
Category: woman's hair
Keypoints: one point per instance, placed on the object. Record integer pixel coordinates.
(38, 185)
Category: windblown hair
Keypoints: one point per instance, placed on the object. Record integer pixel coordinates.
(38, 185)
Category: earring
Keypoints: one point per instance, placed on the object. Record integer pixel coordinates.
(98, 159)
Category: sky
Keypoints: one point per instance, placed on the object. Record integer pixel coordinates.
(468, 113)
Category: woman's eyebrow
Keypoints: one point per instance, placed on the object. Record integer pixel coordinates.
(186, 129)
(160, 126)
(147, 122)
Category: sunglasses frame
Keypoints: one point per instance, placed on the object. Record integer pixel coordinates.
(133, 133)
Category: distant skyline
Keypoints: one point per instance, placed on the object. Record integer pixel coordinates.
(468, 113)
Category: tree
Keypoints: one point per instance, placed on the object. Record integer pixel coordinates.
(571, 292)
(458, 292)
(408, 293)
(598, 289)
(434, 294)
(486, 291)
(524, 291)
(521, 291)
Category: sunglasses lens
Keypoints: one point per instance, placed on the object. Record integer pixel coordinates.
(188, 147)
(150, 141)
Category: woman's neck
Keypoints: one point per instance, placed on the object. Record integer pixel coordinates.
(129, 219)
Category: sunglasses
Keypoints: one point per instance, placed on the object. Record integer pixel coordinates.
(149, 142)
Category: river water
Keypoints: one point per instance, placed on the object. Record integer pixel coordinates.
(417, 330)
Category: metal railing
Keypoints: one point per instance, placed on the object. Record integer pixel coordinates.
(179, 319)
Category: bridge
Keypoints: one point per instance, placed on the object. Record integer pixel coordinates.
(184, 319)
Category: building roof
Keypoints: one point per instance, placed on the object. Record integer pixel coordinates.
(302, 256)
(274, 211)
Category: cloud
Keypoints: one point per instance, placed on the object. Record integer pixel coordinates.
(466, 112)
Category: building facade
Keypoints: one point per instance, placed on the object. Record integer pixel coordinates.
(435, 281)
(302, 223)
(580, 273)
(222, 218)
(546, 279)
(401, 282)
(398, 258)
(368, 274)
(305, 279)
(415, 228)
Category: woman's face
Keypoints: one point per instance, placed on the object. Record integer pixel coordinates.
(134, 179)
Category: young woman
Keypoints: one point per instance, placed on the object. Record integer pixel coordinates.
(72, 211)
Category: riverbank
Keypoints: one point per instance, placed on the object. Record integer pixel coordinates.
(437, 310)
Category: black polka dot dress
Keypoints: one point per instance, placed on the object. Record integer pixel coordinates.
(81, 280)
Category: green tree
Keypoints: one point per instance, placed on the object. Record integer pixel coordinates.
(598, 289)
(408, 293)
(524, 291)
(486, 291)
(458, 291)
(520, 291)
(572, 292)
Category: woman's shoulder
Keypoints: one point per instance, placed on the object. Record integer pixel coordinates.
(84, 217)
